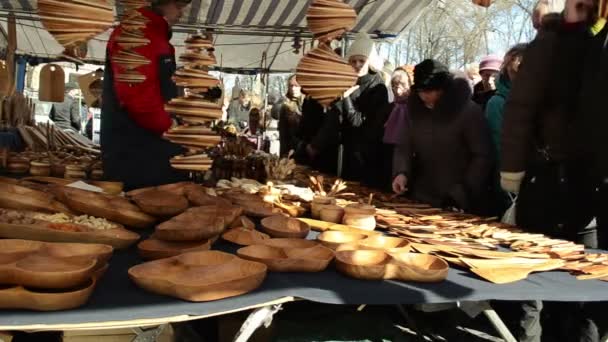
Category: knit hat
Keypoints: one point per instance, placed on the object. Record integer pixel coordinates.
(491, 62)
(363, 46)
(431, 75)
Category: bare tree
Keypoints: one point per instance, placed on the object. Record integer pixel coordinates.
(459, 33)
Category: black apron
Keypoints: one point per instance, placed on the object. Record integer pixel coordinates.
(131, 154)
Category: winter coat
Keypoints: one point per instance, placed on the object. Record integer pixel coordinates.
(500, 200)
(290, 115)
(447, 157)
(591, 125)
(495, 109)
(481, 96)
(541, 106)
(314, 119)
(66, 115)
(362, 117)
(133, 117)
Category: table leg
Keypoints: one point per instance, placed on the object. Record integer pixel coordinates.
(257, 318)
(499, 325)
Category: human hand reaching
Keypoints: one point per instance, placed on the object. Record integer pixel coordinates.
(400, 184)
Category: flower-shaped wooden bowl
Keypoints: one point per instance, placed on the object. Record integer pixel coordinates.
(313, 259)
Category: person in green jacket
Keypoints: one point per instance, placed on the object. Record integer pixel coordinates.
(496, 104)
(494, 114)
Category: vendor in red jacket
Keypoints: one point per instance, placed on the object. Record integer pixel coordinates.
(133, 117)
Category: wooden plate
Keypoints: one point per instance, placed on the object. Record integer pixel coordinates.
(333, 239)
(200, 276)
(244, 237)
(161, 203)
(153, 249)
(314, 259)
(377, 265)
(283, 227)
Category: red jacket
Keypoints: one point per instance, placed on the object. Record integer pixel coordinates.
(144, 101)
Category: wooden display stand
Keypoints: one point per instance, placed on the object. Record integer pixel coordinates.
(163, 333)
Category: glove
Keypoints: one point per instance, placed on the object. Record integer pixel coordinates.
(511, 181)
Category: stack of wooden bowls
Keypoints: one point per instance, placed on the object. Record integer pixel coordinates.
(323, 74)
(131, 36)
(73, 23)
(195, 109)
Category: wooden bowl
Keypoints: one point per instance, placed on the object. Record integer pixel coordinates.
(79, 250)
(18, 165)
(39, 300)
(284, 227)
(153, 249)
(332, 213)
(290, 243)
(161, 203)
(360, 216)
(244, 237)
(199, 276)
(48, 272)
(314, 259)
(40, 169)
(318, 202)
(383, 242)
(377, 265)
(333, 239)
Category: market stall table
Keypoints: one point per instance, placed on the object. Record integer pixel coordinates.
(117, 302)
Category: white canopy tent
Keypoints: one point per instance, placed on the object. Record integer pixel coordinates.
(244, 29)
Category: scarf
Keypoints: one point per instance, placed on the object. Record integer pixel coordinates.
(394, 128)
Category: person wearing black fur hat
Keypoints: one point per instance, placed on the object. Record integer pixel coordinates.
(446, 160)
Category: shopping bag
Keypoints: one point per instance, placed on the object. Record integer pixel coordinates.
(509, 216)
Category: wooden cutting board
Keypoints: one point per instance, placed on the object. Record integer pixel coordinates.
(52, 83)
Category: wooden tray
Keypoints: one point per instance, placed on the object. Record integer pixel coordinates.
(49, 266)
(17, 197)
(118, 238)
(284, 227)
(244, 237)
(377, 265)
(113, 208)
(161, 203)
(313, 259)
(333, 239)
(110, 188)
(200, 276)
(153, 249)
(22, 298)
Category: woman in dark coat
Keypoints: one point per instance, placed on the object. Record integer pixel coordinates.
(446, 160)
(357, 121)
